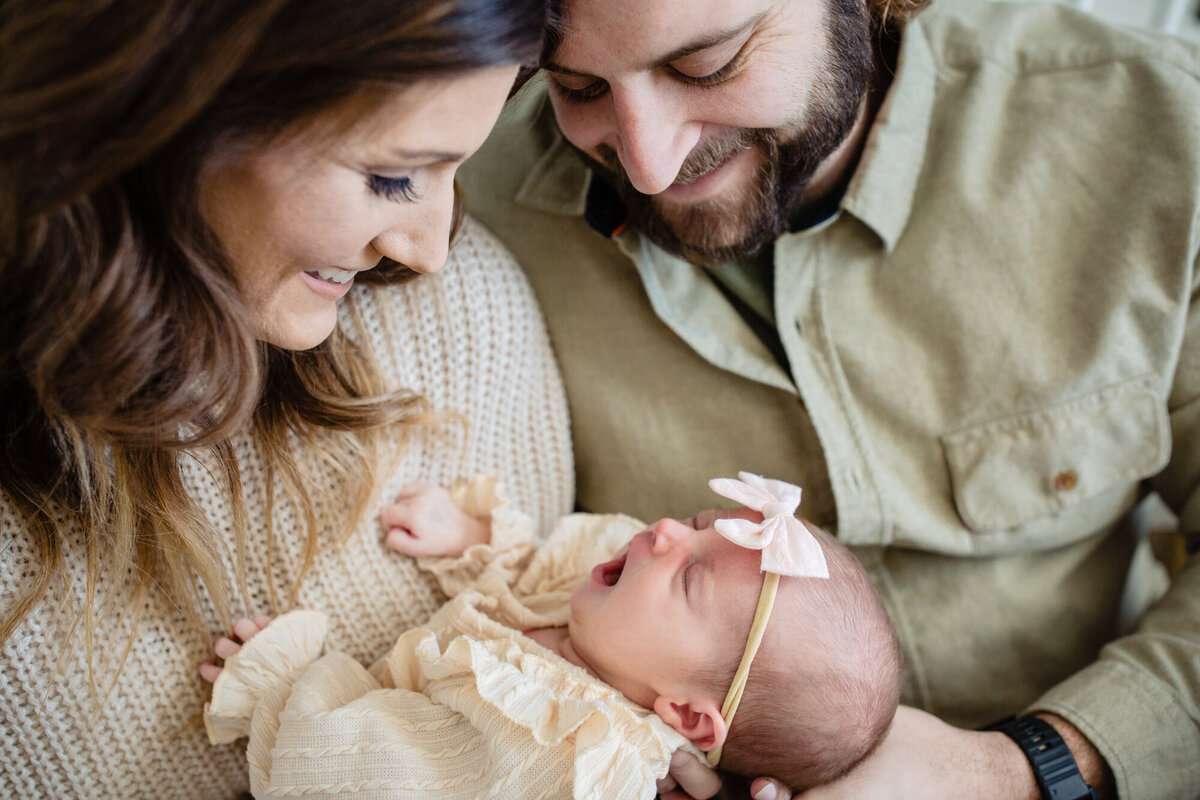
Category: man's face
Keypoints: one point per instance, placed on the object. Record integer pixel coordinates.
(680, 598)
(711, 116)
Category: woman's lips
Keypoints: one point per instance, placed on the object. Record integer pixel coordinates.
(330, 290)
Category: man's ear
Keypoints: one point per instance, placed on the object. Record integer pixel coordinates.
(700, 721)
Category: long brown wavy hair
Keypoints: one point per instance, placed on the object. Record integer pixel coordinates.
(125, 345)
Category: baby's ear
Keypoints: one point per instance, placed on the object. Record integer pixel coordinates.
(700, 721)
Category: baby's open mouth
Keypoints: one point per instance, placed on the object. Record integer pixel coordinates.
(609, 572)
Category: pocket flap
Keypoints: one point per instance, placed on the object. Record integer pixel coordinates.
(1016, 469)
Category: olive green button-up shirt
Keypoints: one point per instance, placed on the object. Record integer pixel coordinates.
(993, 355)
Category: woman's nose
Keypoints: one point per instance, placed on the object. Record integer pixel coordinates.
(419, 238)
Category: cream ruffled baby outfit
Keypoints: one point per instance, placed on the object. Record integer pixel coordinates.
(465, 706)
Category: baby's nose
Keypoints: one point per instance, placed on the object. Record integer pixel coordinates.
(667, 533)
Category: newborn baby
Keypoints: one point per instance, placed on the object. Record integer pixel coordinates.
(538, 678)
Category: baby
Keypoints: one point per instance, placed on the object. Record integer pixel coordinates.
(535, 679)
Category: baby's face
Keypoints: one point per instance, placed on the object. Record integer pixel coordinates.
(681, 597)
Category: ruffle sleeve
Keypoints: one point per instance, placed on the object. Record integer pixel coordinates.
(504, 557)
(270, 661)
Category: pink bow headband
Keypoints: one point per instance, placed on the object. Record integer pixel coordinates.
(788, 548)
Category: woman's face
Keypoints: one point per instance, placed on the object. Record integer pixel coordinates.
(300, 217)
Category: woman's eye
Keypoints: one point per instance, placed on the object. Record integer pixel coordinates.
(392, 188)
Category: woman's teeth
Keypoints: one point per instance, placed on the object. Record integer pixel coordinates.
(333, 274)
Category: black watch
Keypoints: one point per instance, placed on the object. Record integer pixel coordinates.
(1054, 767)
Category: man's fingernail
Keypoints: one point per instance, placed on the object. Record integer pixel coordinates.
(767, 792)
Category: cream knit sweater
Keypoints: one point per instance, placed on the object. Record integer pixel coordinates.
(470, 339)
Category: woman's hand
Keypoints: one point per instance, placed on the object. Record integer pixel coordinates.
(423, 521)
(689, 779)
(921, 756)
(224, 648)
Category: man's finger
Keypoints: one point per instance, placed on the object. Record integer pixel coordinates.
(769, 789)
(694, 776)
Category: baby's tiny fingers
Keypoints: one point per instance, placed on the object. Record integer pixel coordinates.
(226, 648)
(410, 489)
(400, 540)
(245, 629)
(394, 516)
(209, 671)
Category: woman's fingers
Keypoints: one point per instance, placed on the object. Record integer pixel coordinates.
(209, 671)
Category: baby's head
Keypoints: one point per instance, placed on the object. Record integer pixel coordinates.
(666, 624)
(823, 688)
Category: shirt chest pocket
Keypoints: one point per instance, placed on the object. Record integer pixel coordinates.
(1012, 471)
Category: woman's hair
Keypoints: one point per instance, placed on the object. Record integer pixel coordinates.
(125, 344)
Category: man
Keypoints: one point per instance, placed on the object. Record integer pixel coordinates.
(937, 269)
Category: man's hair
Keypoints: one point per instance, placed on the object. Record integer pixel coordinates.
(824, 687)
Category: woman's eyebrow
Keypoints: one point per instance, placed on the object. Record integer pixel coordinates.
(431, 155)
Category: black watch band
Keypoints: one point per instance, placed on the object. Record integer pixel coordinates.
(1054, 767)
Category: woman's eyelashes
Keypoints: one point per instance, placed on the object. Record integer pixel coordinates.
(393, 188)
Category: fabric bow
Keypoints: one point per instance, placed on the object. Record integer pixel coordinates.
(788, 547)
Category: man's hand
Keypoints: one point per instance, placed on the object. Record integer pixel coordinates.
(689, 779)
(423, 521)
(243, 630)
(921, 756)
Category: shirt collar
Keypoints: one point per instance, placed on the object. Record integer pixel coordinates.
(882, 189)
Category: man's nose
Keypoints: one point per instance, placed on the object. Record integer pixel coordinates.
(653, 134)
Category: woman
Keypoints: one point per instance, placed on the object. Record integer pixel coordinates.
(209, 373)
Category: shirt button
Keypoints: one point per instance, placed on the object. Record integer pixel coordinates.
(1065, 481)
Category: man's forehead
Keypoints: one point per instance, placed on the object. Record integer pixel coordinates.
(642, 35)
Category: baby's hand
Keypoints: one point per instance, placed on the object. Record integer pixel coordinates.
(425, 522)
(244, 629)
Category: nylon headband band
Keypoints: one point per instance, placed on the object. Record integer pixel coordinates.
(766, 600)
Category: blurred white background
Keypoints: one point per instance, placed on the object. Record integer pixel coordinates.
(1173, 16)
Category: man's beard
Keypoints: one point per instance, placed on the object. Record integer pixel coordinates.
(739, 224)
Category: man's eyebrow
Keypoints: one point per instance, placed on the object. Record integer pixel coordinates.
(711, 40)
(703, 43)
